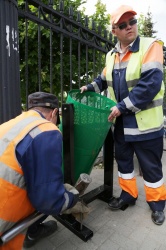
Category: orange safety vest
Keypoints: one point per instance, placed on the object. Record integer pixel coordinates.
(14, 202)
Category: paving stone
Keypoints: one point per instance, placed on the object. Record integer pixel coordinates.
(131, 229)
(108, 245)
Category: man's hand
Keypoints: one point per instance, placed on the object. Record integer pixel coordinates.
(115, 113)
(78, 209)
(83, 88)
(70, 188)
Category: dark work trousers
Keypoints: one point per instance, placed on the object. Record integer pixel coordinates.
(149, 154)
(34, 227)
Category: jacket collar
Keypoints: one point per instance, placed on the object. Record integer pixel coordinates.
(133, 48)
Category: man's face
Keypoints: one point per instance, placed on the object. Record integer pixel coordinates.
(128, 34)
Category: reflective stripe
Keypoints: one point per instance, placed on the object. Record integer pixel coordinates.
(126, 176)
(132, 83)
(96, 87)
(109, 83)
(154, 185)
(129, 105)
(103, 76)
(155, 103)
(15, 130)
(136, 131)
(152, 104)
(66, 203)
(121, 65)
(34, 132)
(5, 225)
(12, 176)
(151, 65)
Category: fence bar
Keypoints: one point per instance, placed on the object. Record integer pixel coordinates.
(10, 98)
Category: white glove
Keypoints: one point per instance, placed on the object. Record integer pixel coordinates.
(77, 210)
(70, 188)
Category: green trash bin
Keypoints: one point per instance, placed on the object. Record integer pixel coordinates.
(91, 111)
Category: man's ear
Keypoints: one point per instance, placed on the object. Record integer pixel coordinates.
(113, 32)
(54, 112)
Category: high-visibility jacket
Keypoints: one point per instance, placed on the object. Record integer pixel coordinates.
(135, 83)
(14, 202)
(134, 70)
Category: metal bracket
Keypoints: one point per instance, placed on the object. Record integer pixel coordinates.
(74, 226)
(103, 192)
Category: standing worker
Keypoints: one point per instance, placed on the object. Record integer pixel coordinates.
(31, 170)
(133, 76)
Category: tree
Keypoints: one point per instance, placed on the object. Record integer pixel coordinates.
(145, 25)
(100, 17)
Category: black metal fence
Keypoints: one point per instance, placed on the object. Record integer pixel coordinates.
(58, 51)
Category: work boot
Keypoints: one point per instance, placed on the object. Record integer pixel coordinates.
(118, 203)
(158, 217)
(44, 229)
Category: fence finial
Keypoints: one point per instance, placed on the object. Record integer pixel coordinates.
(71, 12)
(86, 21)
(50, 3)
(61, 6)
(105, 33)
(78, 17)
(93, 25)
(99, 30)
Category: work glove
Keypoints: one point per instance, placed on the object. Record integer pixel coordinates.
(79, 211)
(70, 188)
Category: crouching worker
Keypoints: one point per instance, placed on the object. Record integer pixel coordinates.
(31, 170)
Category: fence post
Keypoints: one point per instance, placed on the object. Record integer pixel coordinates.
(10, 98)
